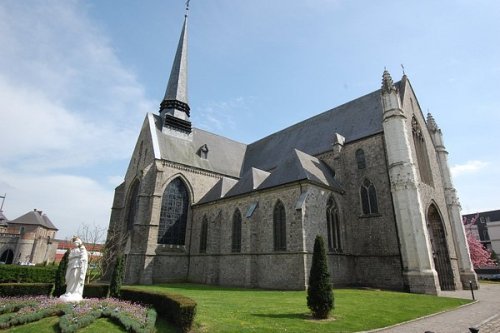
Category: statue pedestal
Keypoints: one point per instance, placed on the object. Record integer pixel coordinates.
(68, 298)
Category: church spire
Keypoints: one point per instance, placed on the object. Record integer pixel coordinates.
(175, 108)
(387, 83)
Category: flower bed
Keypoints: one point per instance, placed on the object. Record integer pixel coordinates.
(19, 311)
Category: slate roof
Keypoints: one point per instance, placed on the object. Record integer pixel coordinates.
(219, 190)
(354, 120)
(225, 156)
(34, 217)
(283, 157)
(301, 166)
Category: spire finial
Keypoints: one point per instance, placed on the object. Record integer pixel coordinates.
(387, 83)
(403, 68)
(431, 123)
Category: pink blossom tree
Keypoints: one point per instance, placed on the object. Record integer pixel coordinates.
(479, 255)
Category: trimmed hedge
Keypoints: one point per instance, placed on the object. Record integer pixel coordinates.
(22, 289)
(27, 274)
(177, 309)
(95, 291)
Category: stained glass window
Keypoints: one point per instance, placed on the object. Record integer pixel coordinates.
(173, 214)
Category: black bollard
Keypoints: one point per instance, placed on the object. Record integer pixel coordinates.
(472, 292)
(473, 330)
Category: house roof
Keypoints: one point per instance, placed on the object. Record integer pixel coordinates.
(3, 219)
(35, 217)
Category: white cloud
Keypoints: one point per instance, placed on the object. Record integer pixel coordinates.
(65, 98)
(69, 109)
(69, 201)
(469, 167)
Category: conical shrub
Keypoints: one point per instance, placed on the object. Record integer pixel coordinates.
(319, 293)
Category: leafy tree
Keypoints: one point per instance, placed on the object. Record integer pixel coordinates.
(60, 282)
(479, 256)
(319, 294)
(117, 277)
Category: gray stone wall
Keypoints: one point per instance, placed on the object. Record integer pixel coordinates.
(370, 242)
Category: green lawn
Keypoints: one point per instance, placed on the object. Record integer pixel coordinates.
(249, 310)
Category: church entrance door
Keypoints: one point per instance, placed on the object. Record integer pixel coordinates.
(440, 249)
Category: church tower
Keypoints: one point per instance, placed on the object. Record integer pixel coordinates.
(174, 109)
(418, 269)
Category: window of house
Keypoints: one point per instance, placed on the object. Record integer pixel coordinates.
(173, 214)
(279, 227)
(368, 198)
(333, 225)
(133, 204)
(424, 166)
(360, 159)
(236, 240)
(204, 235)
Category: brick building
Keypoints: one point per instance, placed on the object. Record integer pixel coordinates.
(370, 176)
(28, 239)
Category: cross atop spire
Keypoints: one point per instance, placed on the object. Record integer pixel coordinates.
(175, 108)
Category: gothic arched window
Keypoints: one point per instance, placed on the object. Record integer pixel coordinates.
(173, 214)
(204, 235)
(333, 225)
(424, 166)
(236, 241)
(368, 198)
(360, 159)
(133, 204)
(279, 227)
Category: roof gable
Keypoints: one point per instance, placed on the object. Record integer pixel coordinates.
(34, 217)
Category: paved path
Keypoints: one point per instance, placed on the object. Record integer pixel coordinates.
(484, 314)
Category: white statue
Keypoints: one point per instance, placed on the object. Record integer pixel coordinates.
(75, 272)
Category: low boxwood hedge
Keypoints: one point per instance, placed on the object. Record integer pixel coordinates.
(24, 289)
(96, 291)
(177, 309)
(27, 274)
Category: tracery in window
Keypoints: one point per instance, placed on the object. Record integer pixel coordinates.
(173, 214)
(279, 227)
(368, 198)
(333, 225)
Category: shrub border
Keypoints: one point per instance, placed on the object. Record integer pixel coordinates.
(177, 309)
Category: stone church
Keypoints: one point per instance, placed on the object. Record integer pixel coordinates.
(370, 176)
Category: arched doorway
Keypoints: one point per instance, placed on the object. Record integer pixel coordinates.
(440, 249)
(7, 256)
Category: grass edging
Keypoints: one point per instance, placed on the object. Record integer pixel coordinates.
(421, 318)
(177, 309)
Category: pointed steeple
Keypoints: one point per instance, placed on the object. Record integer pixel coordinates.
(431, 123)
(387, 83)
(175, 108)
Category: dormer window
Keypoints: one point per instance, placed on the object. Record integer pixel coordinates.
(203, 152)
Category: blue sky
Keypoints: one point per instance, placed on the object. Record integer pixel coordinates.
(77, 78)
